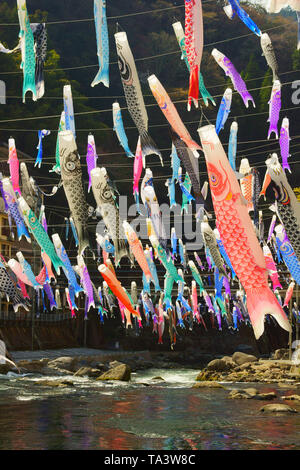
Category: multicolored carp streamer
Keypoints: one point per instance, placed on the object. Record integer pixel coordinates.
(102, 43)
(167, 263)
(150, 201)
(179, 32)
(287, 206)
(234, 8)
(199, 262)
(175, 163)
(72, 183)
(105, 244)
(13, 210)
(152, 267)
(67, 267)
(61, 127)
(261, 227)
(86, 282)
(196, 276)
(137, 249)
(27, 270)
(69, 109)
(49, 293)
(39, 233)
(194, 40)
(211, 243)
(289, 294)
(288, 254)
(271, 228)
(39, 158)
(117, 288)
(137, 172)
(14, 166)
(284, 142)
(185, 187)
(110, 213)
(91, 157)
(269, 54)
(133, 95)
(40, 45)
(247, 183)
(174, 243)
(256, 187)
(191, 165)
(119, 129)
(17, 269)
(274, 108)
(224, 110)
(28, 63)
(171, 113)
(237, 81)
(238, 236)
(271, 267)
(69, 300)
(8, 288)
(171, 192)
(223, 253)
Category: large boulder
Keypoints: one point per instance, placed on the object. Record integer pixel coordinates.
(281, 354)
(265, 396)
(7, 367)
(208, 375)
(87, 372)
(220, 365)
(277, 408)
(251, 393)
(208, 384)
(121, 372)
(35, 365)
(246, 393)
(295, 372)
(55, 383)
(64, 363)
(99, 365)
(240, 358)
(113, 364)
(291, 397)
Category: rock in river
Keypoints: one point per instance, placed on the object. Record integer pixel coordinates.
(240, 358)
(277, 408)
(121, 372)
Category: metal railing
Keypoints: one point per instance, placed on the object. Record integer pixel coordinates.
(43, 317)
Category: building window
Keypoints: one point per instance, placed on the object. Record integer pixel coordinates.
(5, 250)
(5, 229)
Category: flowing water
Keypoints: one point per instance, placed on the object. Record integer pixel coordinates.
(145, 414)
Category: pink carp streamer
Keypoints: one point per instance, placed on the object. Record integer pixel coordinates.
(289, 294)
(14, 166)
(237, 233)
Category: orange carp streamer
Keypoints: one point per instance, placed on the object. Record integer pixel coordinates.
(116, 287)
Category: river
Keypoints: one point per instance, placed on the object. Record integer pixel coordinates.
(144, 414)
